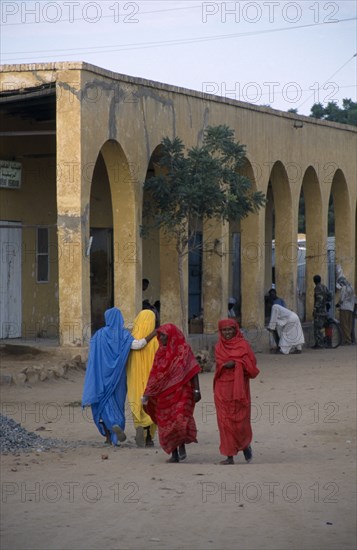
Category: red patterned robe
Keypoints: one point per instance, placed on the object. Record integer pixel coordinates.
(170, 391)
(231, 390)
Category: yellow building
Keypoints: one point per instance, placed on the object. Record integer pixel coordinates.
(77, 143)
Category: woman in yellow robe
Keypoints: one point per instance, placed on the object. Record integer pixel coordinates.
(138, 370)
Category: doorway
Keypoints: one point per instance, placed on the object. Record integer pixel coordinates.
(101, 275)
(10, 280)
(195, 277)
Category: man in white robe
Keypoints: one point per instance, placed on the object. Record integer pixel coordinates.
(287, 324)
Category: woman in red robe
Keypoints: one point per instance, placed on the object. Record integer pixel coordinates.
(235, 365)
(172, 391)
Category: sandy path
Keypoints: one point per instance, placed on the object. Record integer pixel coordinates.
(298, 493)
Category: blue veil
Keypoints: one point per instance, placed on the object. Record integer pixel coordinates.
(105, 379)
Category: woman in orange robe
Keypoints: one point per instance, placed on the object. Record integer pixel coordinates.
(172, 391)
(235, 365)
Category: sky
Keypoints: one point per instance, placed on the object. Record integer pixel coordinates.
(285, 54)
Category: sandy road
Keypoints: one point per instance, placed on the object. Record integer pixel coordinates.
(298, 493)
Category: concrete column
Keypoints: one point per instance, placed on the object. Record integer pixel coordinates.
(215, 262)
(126, 233)
(253, 270)
(344, 215)
(316, 238)
(72, 220)
(150, 264)
(286, 247)
(170, 311)
(268, 243)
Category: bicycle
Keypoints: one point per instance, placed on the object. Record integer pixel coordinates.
(333, 333)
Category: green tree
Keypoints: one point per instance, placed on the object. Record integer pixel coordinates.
(317, 111)
(350, 108)
(345, 115)
(203, 184)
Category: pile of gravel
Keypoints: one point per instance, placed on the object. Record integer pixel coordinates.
(14, 439)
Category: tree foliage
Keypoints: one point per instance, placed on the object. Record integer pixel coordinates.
(345, 115)
(206, 183)
(202, 182)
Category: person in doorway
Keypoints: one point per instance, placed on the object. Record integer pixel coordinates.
(105, 379)
(231, 308)
(146, 301)
(346, 305)
(146, 304)
(287, 325)
(172, 392)
(274, 299)
(235, 366)
(138, 370)
(145, 292)
(322, 297)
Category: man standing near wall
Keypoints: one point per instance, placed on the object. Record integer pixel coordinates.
(346, 305)
(322, 296)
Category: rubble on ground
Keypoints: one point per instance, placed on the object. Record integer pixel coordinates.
(14, 438)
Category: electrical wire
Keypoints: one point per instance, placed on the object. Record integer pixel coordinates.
(328, 80)
(174, 42)
(105, 16)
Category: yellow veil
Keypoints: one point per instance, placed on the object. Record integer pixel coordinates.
(139, 366)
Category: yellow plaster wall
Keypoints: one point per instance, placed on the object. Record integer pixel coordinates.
(126, 118)
(34, 204)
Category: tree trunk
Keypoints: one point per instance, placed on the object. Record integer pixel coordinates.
(180, 256)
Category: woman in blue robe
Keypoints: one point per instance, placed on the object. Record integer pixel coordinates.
(105, 380)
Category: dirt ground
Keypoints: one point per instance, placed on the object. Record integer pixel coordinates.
(298, 493)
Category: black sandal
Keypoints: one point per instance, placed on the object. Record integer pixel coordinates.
(148, 441)
(248, 453)
(182, 452)
(229, 460)
(174, 457)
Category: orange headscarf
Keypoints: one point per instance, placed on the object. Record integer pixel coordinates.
(238, 350)
(173, 364)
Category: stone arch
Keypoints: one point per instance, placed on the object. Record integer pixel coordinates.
(284, 233)
(160, 262)
(123, 179)
(316, 234)
(251, 254)
(151, 240)
(344, 253)
(101, 244)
